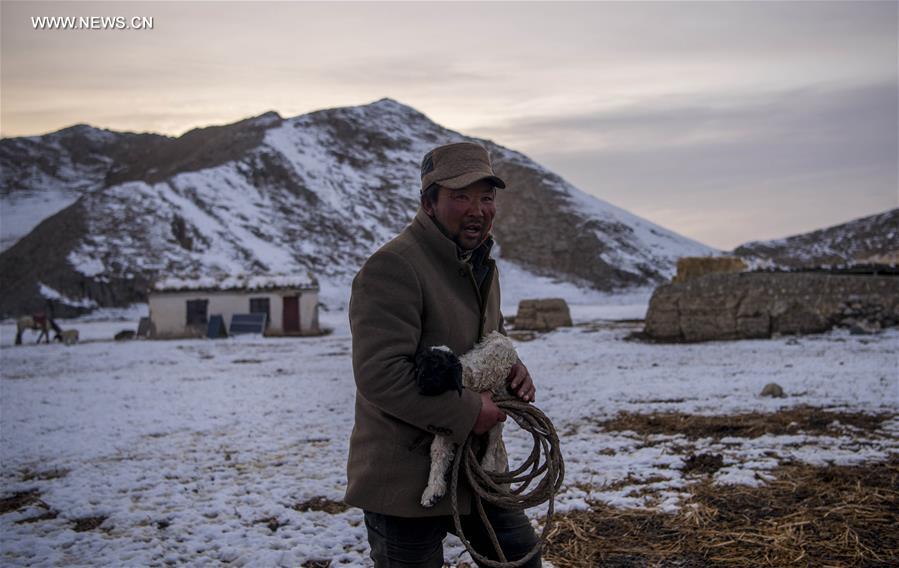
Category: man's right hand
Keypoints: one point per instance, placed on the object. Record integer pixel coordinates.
(490, 414)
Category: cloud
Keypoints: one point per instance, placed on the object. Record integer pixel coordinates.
(658, 107)
(665, 121)
(801, 158)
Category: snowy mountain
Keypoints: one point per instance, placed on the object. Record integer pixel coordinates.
(40, 175)
(317, 192)
(868, 239)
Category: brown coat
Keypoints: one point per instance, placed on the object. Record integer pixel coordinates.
(413, 292)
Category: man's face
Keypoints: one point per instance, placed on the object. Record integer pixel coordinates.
(466, 214)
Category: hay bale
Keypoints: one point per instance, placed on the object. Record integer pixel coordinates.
(773, 390)
(542, 315)
(690, 267)
(889, 258)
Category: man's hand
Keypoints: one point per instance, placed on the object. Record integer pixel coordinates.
(520, 383)
(490, 414)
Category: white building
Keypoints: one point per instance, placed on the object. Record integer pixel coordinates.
(182, 307)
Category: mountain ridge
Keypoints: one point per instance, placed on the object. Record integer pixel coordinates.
(318, 192)
(872, 238)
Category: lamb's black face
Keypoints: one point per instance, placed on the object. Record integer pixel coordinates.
(437, 371)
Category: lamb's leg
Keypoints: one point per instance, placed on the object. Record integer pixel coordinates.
(442, 452)
(494, 459)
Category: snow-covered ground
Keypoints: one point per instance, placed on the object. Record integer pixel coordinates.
(190, 449)
(100, 325)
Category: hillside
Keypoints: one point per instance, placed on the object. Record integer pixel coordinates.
(316, 192)
(872, 238)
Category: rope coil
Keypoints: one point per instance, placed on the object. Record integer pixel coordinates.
(544, 463)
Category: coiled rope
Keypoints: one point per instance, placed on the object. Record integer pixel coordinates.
(544, 463)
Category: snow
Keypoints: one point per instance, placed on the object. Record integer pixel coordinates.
(21, 212)
(188, 447)
(585, 303)
(89, 329)
(51, 294)
(237, 281)
(129, 314)
(85, 264)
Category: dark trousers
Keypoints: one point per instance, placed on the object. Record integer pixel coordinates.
(400, 542)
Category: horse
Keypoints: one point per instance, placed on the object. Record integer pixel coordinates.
(38, 321)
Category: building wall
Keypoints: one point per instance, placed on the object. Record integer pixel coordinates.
(309, 313)
(168, 310)
(276, 307)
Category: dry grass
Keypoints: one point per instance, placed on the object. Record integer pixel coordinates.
(19, 500)
(321, 504)
(45, 475)
(87, 523)
(47, 515)
(703, 463)
(30, 498)
(805, 516)
(272, 523)
(691, 267)
(793, 420)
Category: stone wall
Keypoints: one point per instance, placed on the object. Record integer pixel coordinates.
(753, 305)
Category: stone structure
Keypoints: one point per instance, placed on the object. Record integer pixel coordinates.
(752, 305)
(542, 315)
(690, 267)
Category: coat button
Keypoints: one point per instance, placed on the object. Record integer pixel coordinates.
(463, 272)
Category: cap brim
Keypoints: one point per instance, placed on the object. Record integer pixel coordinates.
(469, 178)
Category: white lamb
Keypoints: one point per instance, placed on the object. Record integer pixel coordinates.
(69, 336)
(484, 368)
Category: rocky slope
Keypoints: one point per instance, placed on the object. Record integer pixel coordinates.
(870, 239)
(40, 175)
(314, 192)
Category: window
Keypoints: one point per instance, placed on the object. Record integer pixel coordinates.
(261, 306)
(196, 312)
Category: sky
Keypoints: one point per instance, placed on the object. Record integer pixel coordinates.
(724, 121)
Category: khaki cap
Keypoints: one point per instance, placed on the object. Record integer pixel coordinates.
(458, 165)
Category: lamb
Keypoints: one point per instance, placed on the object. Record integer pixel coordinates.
(69, 336)
(484, 368)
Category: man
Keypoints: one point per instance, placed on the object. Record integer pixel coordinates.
(434, 284)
